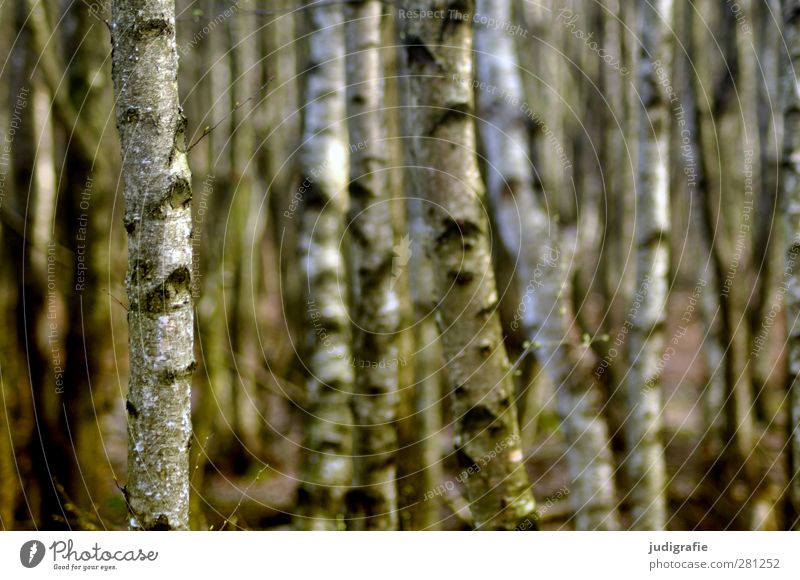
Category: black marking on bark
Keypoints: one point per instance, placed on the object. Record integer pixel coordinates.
(478, 418)
(163, 296)
(161, 524)
(793, 14)
(131, 114)
(130, 224)
(460, 277)
(179, 138)
(180, 192)
(314, 196)
(131, 409)
(489, 309)
(462, 229)
(458, 7)
(454, 113)
(359, 191)
(141, 269)
(464, 460)
(136, 115)
(154, 27)
(418, 52)
(172, 375)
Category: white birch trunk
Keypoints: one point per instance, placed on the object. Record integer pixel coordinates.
(531, 240)
(791, 193)
(158, 220)
(328, 466)
(439, 57)
(646, 468)
(372, 503)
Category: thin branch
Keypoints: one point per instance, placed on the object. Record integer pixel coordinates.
(236, 107)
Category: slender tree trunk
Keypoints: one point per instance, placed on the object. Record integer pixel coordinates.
(438, 52)
(158, 220)
(422, 424)
(372, 503)
(791, 193)
(728, 138)
(327, 470)
(531, 239)
(645, 460)
(81, 212)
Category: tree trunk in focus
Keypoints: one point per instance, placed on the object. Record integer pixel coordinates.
(158, 220)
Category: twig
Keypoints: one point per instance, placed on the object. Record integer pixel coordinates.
(235, 108)
(241, 499)
(115, 298)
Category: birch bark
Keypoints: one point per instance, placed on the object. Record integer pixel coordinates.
(439, 57)
(324, 157)
(372, 503)
(158, 220)
(531, 239)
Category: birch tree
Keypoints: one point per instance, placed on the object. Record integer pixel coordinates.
(791, 193)
(439, 57)
(645, 453)
(158, 220)
(532, 241)
(327, 470)
(376, 308)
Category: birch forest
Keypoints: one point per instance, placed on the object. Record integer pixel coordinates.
(400, 265)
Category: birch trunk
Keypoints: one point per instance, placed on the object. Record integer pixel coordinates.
(158, 220)
(372, 503)
(438, 52)
(645, 464)
(532, 240)
(729, 143)
(791, 193)
(327, 470)
(424, 420)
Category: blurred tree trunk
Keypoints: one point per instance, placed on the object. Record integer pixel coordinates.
(327, 464)
(40, 322)
(158, 220)
(768, 240)
(81, 214)
(645, 464)
(372, 502)
(531, 238)
(791, 193)
(729, 147)
(438, 53)
(426, 410)
(420, 426)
